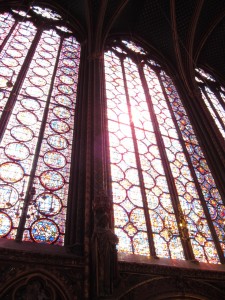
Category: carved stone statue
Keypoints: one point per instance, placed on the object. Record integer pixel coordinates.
(104, 255)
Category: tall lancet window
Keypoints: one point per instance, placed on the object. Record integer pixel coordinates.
(165, 200)
(213, 94)
(39, 60)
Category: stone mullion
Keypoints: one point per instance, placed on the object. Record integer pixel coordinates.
(212, 143)
(80, 164)
(184, 234)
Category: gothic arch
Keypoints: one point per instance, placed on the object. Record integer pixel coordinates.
(38, 281)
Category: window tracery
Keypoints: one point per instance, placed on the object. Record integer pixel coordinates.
(39, 61)
(165, 200)
(213, 94)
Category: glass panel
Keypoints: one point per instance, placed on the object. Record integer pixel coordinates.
(12, 58)
(35, 149)
(155, 154)
(51, 181)
(6, 23)
(203, 174)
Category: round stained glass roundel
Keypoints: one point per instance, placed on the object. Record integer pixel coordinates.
(68, 71)
(11, 172)
(54, 159)
(48, 204)
(46, 55)
(66, 79)
(5, 224)
(44, 231)
(37, 80)
(30, 104)
(14, 53)
(59, 126)
(65, 89)
(57, 142)
(52, 180)
(34, 91)
(22, 40)
(17, 151)
(40, 71)
(18, 46)
(10, 62)
(43, 63)
(63, 100)
(69, 62)
(61, 112)
(8, 196)
(22, 133)
(26, 118)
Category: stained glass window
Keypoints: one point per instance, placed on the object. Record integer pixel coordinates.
(213, 94)
(165, 200)
(39, 61)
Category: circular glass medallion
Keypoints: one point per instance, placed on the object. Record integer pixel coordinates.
(61, 112)
(48, 47)
(30, 104)
(40, 71)
(70, 54)
(14, 53)
(57, 142)
(8, 196)
(52, 180)
(34, 91)
(45, 54)
(69, 62)
(63, 100)
(3, 82)
(48, 204)
(50, 41)
(18, 46)
(66, 79)
(65, 89)
(71, 48)
(10, 62)
(21, 39)
(43, 63)
(5, 224)
(17, 151)
(26, 118)
(59, 126)
(54, 159)
(11, 172)
(5, 71)
(44, 231)
(24, 32)
(37, 80)
(68, 71)
(22, 133)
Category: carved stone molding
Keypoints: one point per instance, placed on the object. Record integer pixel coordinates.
(142, 281)
(18, 282)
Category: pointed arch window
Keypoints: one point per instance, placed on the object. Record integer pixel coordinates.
(213, 94)
(39, 61)
(165, 200)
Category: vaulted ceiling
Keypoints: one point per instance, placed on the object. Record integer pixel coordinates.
(183, 32)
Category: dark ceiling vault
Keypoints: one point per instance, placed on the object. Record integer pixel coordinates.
(184, 32)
